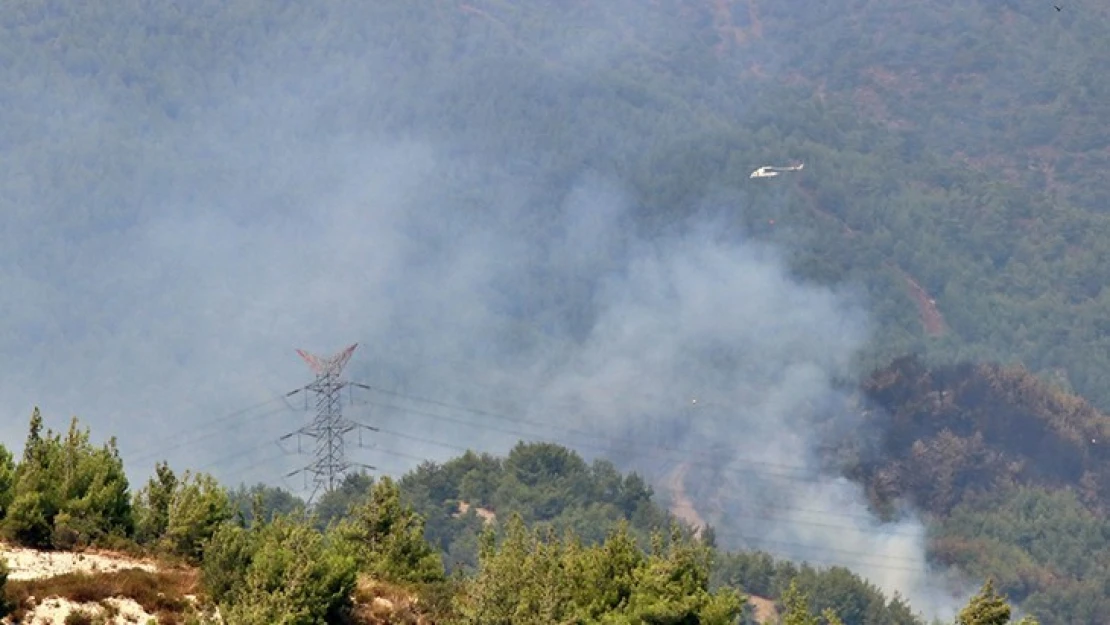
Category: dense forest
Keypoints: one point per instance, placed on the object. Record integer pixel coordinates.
(265, 557)
(991, 254)
(1012, 470)
(515, 539)
(953, 177)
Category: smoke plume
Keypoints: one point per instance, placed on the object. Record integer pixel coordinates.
(182, 218)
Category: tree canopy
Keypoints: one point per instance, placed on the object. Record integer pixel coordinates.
(1039, 546)
(955, 158)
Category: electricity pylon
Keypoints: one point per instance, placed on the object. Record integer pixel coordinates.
(329, 428)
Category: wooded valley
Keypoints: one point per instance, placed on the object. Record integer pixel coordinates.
(953, 185)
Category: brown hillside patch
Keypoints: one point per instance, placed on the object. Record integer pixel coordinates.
(765, 611)
(161, 593)
(683, 507)
(26, 563)
(731, 34)
(378, 603)
(487, 516)
(931, 319)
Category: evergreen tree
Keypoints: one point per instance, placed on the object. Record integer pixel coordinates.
(987, 607)
(152, 505)
(387, 537)
(197, 509)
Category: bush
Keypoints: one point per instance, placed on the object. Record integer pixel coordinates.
(387, 538)
(80, 616)
(283, 571)
(66, 492)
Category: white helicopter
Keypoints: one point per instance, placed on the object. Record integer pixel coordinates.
(767, 171)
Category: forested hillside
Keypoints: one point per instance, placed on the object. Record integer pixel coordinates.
(366, 555)
(675, 101)
(962, 443)
(1012, 471)
(953, 183)
(1010, 92)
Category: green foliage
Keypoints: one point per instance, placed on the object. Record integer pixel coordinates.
(547, 485)
(987, 607)
(1042, 548)
(5, 604)
(796, 610)
(1015, 470)
(282, 571)
(332, 506)
(268, 500)
(280, 568)
(533, 577)
(1013, 254)
(795, 607)
(687, 106)
(7, 481)
(673, 587)
(66, 492)
(198, 507)
(387, 538)
(227, 557)
(833, 589)
(600, 487)
(152, 505)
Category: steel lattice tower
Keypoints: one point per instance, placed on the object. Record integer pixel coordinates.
(328, 428)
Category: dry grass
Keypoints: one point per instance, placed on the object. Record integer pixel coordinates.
(378, 603)
(161, 594)
(80, 617)
(171, 592)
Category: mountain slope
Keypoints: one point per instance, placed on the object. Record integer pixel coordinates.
(675, 101)
(1014, 91)
(949, 432)
(1013, 473)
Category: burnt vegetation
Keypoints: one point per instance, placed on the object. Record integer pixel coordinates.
(1013, 471)
(539, 531)
(994, 254)
(951, 432)
(556, 539)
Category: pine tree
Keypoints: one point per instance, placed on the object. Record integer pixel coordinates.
(988, 608)
(388, 537)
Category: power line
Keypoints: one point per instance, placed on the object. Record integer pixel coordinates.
(808, 472)
(862, 558)
(686, 453)
(689, 457)
(763, 517)
(754, 542)
(230, 415)
(520, 420)
(185, 441)
(787, 549)
(803, 475)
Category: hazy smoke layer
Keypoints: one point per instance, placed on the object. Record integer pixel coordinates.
(166, 249)
(706, 354)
